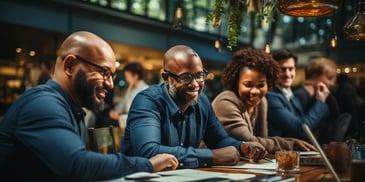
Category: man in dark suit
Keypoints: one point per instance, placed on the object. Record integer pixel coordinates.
(285, 114)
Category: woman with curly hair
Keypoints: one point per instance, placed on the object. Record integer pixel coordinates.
(242, 107)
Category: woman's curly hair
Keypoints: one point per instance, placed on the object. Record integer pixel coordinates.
(252, 58)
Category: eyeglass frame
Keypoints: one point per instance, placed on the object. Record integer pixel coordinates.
(106, 72)
(192, 76)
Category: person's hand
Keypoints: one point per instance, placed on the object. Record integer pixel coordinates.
(321, 91)
(226, 156)
(114, 115)
(162, 162)
(303, 145)
(253, 151)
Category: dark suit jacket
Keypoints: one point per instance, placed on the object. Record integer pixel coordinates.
(285, 118)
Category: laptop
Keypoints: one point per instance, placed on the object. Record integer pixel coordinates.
(322, 154)
(311, 159)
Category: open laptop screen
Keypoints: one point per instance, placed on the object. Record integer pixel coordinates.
(323, 155)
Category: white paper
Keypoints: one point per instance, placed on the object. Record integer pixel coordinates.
(185, 175)
(142, 175)
(264, 165)
(309, 153)
(193, 175)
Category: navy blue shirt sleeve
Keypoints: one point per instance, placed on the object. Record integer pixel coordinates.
(150, 129)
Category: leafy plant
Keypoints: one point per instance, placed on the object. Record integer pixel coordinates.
(235, 9)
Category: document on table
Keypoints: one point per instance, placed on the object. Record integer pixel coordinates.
(185, 175)
(308, 153)
(263, 165)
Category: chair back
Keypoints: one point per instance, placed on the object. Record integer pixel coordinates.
(104, 140)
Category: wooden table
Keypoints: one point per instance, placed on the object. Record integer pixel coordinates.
(307, 173)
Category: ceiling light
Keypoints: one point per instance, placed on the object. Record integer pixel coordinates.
(308, 8)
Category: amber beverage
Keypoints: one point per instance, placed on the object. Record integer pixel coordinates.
(287, 161)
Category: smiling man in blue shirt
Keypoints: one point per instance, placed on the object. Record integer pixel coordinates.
(42, 136)
(176, 116)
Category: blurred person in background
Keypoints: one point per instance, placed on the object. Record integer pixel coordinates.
(350, 101)
(242, 108)
(47, 69)
(134, 76)
(334, 124)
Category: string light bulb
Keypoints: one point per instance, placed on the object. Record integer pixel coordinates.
(217, 44)
(178, 19)
(333, 42)
(267, 48)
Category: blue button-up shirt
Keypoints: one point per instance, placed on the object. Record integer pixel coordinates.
(156, 125)
(42, 139)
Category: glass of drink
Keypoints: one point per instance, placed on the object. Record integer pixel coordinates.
(287, 161)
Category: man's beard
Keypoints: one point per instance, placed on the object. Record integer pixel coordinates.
(86, 93)
(179, 96)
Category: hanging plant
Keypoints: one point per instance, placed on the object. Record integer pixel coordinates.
(235, 10)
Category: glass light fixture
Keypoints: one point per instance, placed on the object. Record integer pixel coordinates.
(267, 48)
(308, 8)
(217, 44)
(333, 42)
(354, 28)
(178, 19)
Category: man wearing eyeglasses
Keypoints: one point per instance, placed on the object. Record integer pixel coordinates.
(42, 136)
(176, 116)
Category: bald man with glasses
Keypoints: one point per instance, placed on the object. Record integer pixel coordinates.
(174, 117)
(42, 136)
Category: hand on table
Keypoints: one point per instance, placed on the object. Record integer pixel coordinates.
(226, 156)
(303, 145)
(162, 162)
(253, 150)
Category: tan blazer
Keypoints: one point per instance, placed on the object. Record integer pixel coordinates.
(232, 113)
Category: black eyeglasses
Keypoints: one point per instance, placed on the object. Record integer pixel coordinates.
(187, 78)
(105, 71)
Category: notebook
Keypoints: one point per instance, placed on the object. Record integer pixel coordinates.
(322, 154)
(311, 158)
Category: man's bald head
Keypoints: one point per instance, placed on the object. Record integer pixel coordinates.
(86, 43)
(181, 57)
(84, 68)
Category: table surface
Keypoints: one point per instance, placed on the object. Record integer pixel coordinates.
(308, 173)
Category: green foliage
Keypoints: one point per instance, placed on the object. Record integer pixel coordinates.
(235, 10)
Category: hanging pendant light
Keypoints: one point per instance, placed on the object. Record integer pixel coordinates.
(217, 43)
(354, 28)
(178, 19)
(308, 8)
(268, 48)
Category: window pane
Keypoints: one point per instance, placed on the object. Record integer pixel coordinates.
(157, 9)
(138, 7)
(119, 4)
